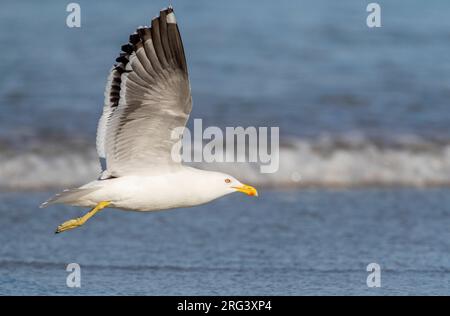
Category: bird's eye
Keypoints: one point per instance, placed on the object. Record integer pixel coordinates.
(227, 180)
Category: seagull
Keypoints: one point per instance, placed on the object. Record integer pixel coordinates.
(147, 96)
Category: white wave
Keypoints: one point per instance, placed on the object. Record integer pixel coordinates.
(38, 170)
(323, 162)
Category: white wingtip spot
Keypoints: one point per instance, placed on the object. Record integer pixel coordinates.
(171, 18)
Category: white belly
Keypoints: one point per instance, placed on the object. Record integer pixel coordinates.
(150, 193)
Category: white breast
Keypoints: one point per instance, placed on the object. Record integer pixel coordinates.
(184, 188)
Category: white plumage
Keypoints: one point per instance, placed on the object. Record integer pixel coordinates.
(147, 96)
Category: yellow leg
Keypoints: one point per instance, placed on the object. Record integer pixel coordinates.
(74, 223)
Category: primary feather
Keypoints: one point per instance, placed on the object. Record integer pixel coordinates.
(147, 95)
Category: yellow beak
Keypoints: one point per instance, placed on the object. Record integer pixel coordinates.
(247, 189)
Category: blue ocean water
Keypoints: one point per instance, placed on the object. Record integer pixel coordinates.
(310, 242)
(358, 108)
(307, 66)
(345, 97)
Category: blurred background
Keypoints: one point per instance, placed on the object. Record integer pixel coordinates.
(364, 160)
(355, 105)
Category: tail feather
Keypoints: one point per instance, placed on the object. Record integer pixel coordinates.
(69, 196)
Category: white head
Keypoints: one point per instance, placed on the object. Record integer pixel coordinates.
(231, 184)
(219, 184)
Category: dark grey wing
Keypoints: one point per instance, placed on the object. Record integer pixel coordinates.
(147, 97)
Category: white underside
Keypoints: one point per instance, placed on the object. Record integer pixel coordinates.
(183, 188)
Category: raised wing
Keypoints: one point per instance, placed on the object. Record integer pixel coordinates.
(147, 96)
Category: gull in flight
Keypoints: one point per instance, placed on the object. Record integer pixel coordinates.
(147, 96)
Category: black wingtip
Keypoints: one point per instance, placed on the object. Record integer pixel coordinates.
(134, 38)
(127, 48)
(122, 59)
(144, 33)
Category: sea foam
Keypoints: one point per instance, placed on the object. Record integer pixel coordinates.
(322, 162)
